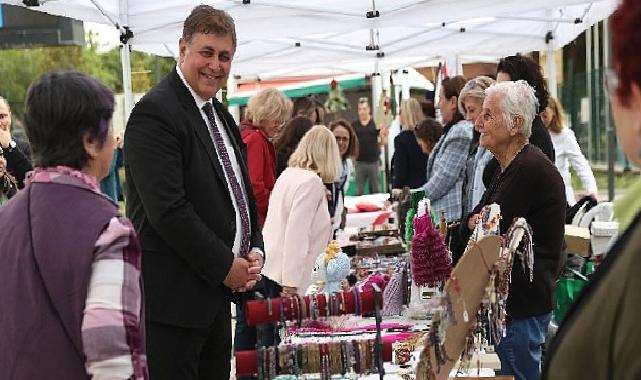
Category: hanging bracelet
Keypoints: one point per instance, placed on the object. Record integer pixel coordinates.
(270, 310)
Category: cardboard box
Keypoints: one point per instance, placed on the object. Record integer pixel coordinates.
(577, 240)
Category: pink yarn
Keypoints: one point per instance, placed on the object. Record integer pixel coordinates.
(430, 260)
(378, 279)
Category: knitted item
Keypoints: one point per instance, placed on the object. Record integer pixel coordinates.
(393, 295)
(430, 259)
(330, 268)
(377, 278)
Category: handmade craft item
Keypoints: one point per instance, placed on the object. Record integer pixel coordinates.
(430, 259)
(331, 267)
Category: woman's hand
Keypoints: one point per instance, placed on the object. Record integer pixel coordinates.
(3, 166)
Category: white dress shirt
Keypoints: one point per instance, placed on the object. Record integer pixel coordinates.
(200, 102)
(567, 152)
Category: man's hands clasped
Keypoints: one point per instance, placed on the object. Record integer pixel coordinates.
(245, 272)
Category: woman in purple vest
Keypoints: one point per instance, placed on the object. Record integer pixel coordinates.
(71, 293)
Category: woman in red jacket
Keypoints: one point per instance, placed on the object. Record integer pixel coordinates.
(266, 113)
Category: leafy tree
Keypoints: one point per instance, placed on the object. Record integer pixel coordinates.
(19, 67)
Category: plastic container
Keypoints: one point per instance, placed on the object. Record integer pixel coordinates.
(603, 235)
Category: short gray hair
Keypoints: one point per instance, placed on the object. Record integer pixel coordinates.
(5, 102)
(516, 98)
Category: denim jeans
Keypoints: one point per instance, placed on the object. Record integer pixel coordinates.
(520, 349)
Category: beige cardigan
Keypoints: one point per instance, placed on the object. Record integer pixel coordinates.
(297, 228)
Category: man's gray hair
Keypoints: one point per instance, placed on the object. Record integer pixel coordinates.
(516, 98)
(5, 102)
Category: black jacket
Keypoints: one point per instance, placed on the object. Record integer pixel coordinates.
(179, 202)
(18, 165)
(409, 162)
(531, 187)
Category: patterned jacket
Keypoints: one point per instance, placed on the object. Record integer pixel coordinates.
(445, 170)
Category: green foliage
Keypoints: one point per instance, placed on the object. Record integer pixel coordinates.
(19, 67)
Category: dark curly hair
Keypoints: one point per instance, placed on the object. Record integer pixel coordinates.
(520, 67)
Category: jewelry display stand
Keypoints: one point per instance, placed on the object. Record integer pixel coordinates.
(258, 311)
(364, 303)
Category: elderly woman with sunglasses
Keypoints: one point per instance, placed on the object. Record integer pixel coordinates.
(599, 337)
(528, 185)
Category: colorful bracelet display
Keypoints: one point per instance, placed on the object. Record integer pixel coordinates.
(297, 308)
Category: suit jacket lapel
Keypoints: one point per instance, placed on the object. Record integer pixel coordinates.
(196, 121)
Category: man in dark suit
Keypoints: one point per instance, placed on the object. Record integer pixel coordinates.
(191, 202)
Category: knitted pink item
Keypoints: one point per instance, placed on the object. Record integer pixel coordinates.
(430, 260)
(377, 278)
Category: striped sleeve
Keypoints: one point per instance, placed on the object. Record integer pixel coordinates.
(112, 330)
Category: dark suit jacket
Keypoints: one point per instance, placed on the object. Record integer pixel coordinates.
(179, 202)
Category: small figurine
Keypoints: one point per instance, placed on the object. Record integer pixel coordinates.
(331, 267)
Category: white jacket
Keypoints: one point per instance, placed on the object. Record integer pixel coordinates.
(297, 228)
(567, 152)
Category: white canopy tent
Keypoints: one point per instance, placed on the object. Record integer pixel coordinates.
(283, 37)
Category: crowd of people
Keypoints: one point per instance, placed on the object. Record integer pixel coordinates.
(219, 212)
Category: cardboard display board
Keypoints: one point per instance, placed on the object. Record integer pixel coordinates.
(473, 276)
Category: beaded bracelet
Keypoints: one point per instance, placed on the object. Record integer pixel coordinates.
(312, 307)
(357, 301)
(270, 310)
(299, 307)
(291, 308)
(335, 357)
(357, 357)
(282, 311)
(260, 358)
(272, 352)
(335, 309)
(284, 360)
(313, 358)
(344, 360)
(326, 305)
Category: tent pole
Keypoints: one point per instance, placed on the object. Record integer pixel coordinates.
(588, 84)
(125, 58)
(552, 83)
(549, 40)
(608, 121)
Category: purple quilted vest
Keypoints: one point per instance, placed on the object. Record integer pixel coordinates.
(47, 235)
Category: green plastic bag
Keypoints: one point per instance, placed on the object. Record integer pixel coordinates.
(568, 288)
